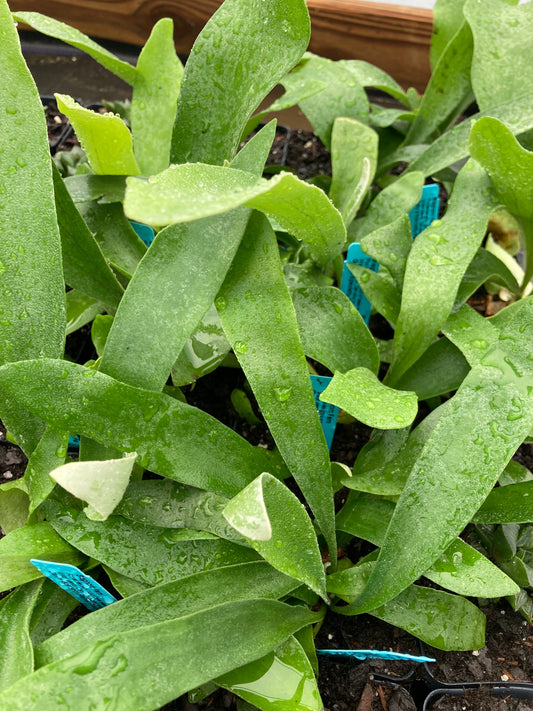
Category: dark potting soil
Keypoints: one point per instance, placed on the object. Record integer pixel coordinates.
(357, 685)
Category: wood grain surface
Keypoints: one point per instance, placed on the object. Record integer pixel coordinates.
(395, 38)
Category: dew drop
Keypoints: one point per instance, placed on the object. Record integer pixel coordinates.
(240, 347)
(282, 394)
(438, 261)
(61, 452)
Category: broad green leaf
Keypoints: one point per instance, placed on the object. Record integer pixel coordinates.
(365, 516)
(203, 352)
(436, 264)
(459, 624)
(448, 92)
(17, 650)
(282, 679)
(70, 35)
(201, 253)
(503, 51)
(354, 155)
(495, 147)
(119, 242)
(514, 473)
(99, 484)
(390, 246)
(238, 57)
(180, 654)
(124, 585)
(256, 310)
(105, 138)
(84, 265)
(253, 155)
(507, 504)
(37, 540)
(479, 430)
(465, 571)
(509, 269)
(453, 145)
(362, 395)
(393, 154)
(471, 333)
(260, 513)
(519, 570)
(387, 475)
(509, 165)
(379, 290)
(504, 318)
(439, 370)
(99, 332)
(175, 439)
(383, 118)
(368, 75)
(332, 330)
(505, 542)
(381, 449)
(105, 188)
(168, 601)
(485, 267)
(191, 191)
(155, 95)
(461, 568)
(391, 204)
(51, 610)
(169, 504)
(442, 620)
(32, 318)
(49, 454)
(150, 554)
(296, 90)
(447, 19)
(81, 310)
(14, 505)
(306, 638)
(343, 96)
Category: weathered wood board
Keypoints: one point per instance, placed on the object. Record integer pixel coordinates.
(395, 38)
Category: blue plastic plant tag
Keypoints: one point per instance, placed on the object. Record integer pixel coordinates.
(349, 284)
(427, 210)
(74, 442)
(84, 588)
(328, 413)
(145, 232)
(371, 654)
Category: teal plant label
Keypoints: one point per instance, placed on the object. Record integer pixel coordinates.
(328, 413)
(427, 210)
(371, 654)
(81, 586)
(349, 284)
(74, 442)
(145, 232)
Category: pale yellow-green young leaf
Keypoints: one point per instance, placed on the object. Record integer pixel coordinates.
(105, 138)
(100, 484)
(362, 395)
(278, 527)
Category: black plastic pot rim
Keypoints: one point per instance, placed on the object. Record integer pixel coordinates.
(514, 690)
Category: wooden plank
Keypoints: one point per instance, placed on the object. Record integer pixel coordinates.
(395, 38)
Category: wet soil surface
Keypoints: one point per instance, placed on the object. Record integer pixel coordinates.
(356, 685)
